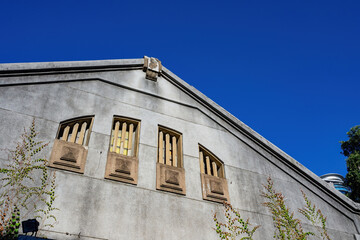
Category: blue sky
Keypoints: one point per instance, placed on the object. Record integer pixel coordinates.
(288, 69)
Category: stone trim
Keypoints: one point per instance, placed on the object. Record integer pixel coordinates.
(214, 189)
(68, 156)
(69, 151)
(152, 67)
(170, 179)
(122, 168)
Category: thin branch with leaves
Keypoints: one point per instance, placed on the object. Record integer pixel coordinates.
(286, 225)
(315, 216)
(234, 226)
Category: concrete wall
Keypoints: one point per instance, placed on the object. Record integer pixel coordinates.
(92, 207)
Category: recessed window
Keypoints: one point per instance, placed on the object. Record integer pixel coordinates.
(210, 164)
(69, 150)
(170, 174)
(122, 160)
(212, 174)
(124, 136)
(170, 147)
(75, 130)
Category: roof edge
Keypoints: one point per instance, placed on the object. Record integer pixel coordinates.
(6, 68)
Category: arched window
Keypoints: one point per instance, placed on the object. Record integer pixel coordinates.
(69, 150)
(122, 160)
(170, 174)
(210, 164)
(212, 175)
(75, 130)
(170, 147)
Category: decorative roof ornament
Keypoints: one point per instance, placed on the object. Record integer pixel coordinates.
(152, 67)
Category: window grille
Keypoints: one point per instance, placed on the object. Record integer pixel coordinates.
(210, 164)
(76, 130)
(124, 136)
(170, 147)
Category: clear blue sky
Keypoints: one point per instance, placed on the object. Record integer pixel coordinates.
(288, 69)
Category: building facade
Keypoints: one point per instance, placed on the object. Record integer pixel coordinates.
(140, 154)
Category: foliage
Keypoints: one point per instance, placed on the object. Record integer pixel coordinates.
(351, 149)
(353, 176)
(353, 144)
(234, 226)
(315, 216)
(286, 225)
(14, 224)
(27, 185)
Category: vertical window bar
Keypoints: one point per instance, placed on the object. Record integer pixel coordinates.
(214, 168)
(126, 143)
(116, 132)
(123, 132)
(82, 133)
(174, 152)
(133, 143)
(208, 166)
(65, 133)
(221, 171)
(202, 167)
(130, 142)
(161, 147)
(167, 151)
(74, 133)
(112, 140)
(86, 138)
(118, 141)
(170, 151)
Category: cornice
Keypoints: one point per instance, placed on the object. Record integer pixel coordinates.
(50, 68)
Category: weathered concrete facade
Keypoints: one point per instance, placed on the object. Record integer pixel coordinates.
(93, 207)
